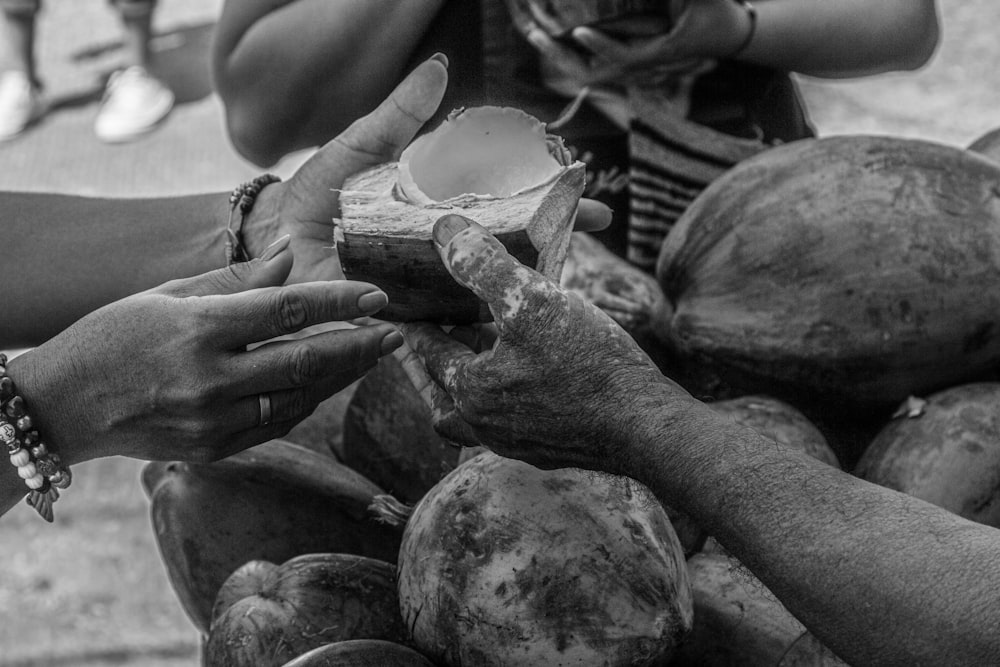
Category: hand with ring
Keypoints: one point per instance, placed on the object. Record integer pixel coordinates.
(189, 370)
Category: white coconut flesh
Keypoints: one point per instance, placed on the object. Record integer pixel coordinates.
(495, 165)
(486, 151)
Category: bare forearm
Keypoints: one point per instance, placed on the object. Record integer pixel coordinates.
(846, 38)
(295, 73)
(881, 577)
(69, 255)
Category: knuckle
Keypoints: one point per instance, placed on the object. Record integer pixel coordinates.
(304, 365)
(291, 312)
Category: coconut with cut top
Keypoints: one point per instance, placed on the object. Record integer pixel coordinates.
(494, 165)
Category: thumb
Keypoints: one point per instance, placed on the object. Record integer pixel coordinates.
(478, 261)
(269, 270)
(374, 139)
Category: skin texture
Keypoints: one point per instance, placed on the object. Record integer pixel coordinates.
(880, 577)
(293, 73)
(165, 374)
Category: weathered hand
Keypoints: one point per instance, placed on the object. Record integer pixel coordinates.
(166, 374)
(306, 205)
(562, 382)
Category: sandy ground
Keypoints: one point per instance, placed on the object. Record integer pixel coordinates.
(91, 590)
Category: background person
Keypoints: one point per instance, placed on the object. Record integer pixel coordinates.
(663, 113)
(134, 101)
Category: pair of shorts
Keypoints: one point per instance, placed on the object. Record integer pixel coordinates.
(127, 8)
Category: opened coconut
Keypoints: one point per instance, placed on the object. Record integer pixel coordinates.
(494, 165)
(945, 450)
(504, 564)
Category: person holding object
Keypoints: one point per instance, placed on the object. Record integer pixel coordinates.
(141, 335)
(880, 577)
(658, 106)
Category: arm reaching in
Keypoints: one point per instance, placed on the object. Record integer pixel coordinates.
(98, 250)
(880, 577)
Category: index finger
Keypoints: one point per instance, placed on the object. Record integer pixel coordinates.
(478, 261)
(261, 314)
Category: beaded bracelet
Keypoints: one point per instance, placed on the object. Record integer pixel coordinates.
(39, 467)
(243, 198)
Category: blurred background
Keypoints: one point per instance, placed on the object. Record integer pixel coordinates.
(90, 590)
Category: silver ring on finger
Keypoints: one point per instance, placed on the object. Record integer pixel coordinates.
(265, 409)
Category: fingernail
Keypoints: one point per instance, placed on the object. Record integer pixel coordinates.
(392, 341)
(276, 248)
(441, 58)
(536, 37)
(446, 228)
(373, 302)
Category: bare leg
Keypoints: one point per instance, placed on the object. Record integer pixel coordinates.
(138, 32)
(17, 43)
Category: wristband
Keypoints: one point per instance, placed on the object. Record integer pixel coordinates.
(243, 198)
(36, 464)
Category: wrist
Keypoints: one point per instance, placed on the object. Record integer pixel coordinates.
(48, 401)
(262, 225)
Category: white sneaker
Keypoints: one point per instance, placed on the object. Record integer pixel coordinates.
(21, 104)
(134, 103)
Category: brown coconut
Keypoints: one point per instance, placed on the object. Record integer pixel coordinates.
(738, 622)
(270, 502)
(850, 271)
(503, 563)
(495, 165)
(361, 653)
(389, 438)
(945, 450)
(300, 605)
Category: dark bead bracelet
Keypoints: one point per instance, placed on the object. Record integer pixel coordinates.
(242, 199)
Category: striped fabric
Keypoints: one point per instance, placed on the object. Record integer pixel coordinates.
(671, 161)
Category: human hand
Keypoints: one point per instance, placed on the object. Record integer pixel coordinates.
(305, 205)
(634, 50)
(561, 386)
(166, 374)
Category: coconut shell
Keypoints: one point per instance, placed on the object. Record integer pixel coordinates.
(385, 238)
(850, 271)
(503, 563)
(945, 450)
(271, 502)
(988, 145)
(361, 653)
(306, 602)
(737, 621)
(388, 436)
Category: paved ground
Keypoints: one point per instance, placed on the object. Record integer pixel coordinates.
(91, 590)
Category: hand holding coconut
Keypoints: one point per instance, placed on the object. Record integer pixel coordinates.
(551, 388)
(564, 386)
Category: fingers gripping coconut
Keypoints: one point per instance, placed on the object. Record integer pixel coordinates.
(532, 395)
